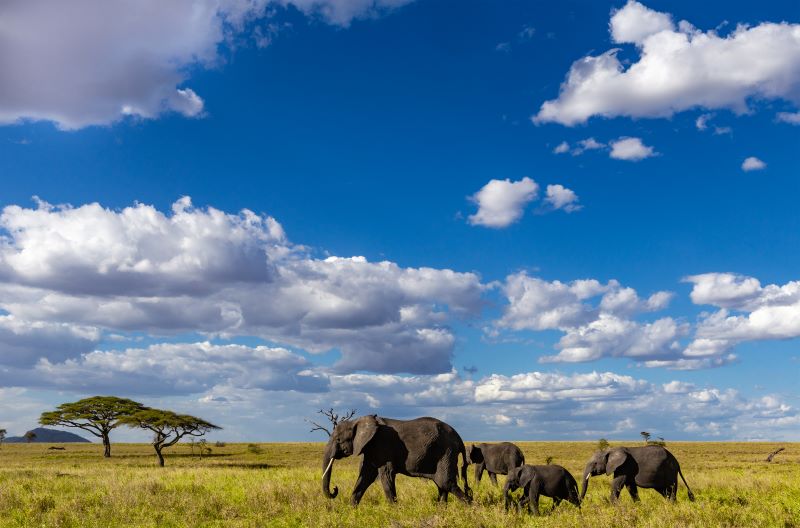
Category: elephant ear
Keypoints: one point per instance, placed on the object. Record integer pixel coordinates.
(366, 427)
(616, 458)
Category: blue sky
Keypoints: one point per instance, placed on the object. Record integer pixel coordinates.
(384, 215)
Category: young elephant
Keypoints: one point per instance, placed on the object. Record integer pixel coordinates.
(551, 481)
(497, 459)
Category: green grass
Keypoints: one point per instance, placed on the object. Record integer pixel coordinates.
(280, 486)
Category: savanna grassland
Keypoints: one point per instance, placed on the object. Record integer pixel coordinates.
(279, 485)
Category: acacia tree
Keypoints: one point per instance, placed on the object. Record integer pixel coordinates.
(167, 427)
(3, 433)
(97, 415)
(30, 436)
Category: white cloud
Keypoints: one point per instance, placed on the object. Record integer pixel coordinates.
(760, 313)
(502, 202)
(753, 164)
(561, 148)
(591, 331)
(207, 271)
(559, 197)
(635, 22)
(126, 59)
(587, 144)
(536, 304)
(678, 387)
(630, 149)
(612, 336)
(678, 69)
(702, 121)
(726, 290)
(793, 118)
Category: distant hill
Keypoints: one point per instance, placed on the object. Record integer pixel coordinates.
(44, 435)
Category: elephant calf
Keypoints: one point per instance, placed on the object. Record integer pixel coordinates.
(551, 481)
(496, 459)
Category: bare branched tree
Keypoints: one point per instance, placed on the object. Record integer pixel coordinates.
(333, 417)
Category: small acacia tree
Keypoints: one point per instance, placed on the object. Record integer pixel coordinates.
(98, 415)
(30, 436)
(167, 427)
(3, 433)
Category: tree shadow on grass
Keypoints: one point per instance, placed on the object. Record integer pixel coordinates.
(245, 465)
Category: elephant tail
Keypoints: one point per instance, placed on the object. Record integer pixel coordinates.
(691, 495)
(467, 491)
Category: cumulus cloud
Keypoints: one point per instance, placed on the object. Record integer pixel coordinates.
(203, 270)
(591, 331)
(559, 197)
(635, 22)
(127, 59)
(502, 202)
(630, 149)
(702, 69)
(753, 164)
(748, 312)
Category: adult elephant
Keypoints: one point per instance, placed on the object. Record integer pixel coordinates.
(637, 467)
(423, 447)
(496, 459)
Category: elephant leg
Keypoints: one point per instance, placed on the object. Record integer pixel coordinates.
(443, 495)
(533, 495)
(616, 487)
(493, 477)
(366, 476)
(525, 501)
(673, 491)
(633, 490)
(479, 471)
(387, 481)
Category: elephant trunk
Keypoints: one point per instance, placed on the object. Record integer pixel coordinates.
(327, 470)
(585, 483)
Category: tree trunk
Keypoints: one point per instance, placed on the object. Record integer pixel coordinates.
(106, 445)
(160, 456)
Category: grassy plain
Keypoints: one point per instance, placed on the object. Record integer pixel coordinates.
(280, 486)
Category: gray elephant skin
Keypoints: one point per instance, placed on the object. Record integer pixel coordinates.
(496, 459)
(423, 447)
(637, 467)
(551, 480)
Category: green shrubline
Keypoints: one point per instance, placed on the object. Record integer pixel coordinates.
(97, 415)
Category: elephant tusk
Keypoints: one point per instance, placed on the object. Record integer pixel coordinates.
(587, 477)
(327, 468)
